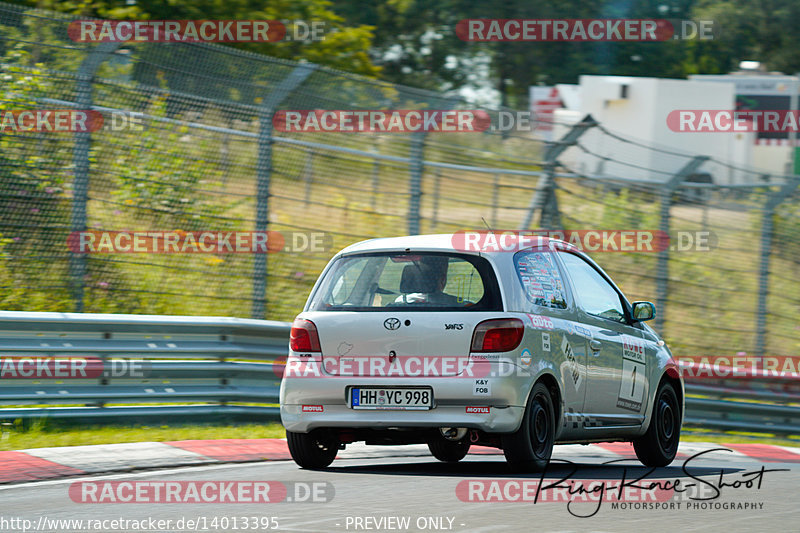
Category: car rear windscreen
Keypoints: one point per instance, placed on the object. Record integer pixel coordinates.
(425, 281)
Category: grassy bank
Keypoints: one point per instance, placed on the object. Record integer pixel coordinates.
(38, 436)
(16, 438)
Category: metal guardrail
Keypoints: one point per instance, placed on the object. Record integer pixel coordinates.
(193, 366)
(188, 367)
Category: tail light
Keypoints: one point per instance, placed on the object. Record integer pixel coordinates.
(304, 337)
(497, 335)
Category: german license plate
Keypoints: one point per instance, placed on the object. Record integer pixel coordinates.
(391, 398)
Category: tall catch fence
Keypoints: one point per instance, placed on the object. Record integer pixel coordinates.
(208, 158)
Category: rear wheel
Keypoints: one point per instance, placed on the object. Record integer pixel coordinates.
(313, 450)
(530, 447)
(449, 451)
(659, 445)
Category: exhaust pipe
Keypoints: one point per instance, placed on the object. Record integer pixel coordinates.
(453, 433)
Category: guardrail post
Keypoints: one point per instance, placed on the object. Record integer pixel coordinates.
(80, 159)
(662, 268)
(544, 199)
(264, 173)
(773, 201)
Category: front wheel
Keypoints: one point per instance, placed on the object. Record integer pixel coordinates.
(659, 445)
(313, 450)
(530, 447)
(449, 451)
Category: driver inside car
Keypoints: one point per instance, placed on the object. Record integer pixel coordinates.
(423, 282)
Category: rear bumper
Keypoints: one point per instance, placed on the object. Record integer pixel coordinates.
(494, 404)
(497, 420)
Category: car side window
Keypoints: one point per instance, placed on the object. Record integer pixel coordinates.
(540, 278)
(593, 293)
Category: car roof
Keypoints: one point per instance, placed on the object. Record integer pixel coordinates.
(444, 242)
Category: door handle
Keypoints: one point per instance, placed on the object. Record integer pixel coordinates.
(595, 345)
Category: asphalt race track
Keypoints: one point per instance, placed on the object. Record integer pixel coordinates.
(386, 489)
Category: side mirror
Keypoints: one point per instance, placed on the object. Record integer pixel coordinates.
(643, 311)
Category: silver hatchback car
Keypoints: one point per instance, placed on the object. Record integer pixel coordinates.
(414, 340)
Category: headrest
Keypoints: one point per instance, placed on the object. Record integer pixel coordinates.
(418, 278)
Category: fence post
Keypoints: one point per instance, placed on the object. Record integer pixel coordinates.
(773, 201)
(263, 175)
(80, 159)
(376, 176)
(544, 199)
(495, 198)
(437, 182)
(662, 267)
(416, 153)
(309, 176)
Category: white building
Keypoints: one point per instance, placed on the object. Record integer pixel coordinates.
(637, 109)
(771, 151)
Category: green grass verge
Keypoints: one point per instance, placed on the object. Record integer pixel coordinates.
(736, 437)
(39, 436)
(44, 437)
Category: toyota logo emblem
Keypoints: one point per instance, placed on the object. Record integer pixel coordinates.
(391, 323)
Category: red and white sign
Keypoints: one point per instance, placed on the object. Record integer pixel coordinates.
(481, 410)
(543, 103)
(313, 408)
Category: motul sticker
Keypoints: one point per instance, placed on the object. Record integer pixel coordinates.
(478, 410)
(313, 409)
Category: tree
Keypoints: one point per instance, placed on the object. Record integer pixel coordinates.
(344, 47)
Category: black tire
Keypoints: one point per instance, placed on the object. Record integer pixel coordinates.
(659, 445)
(449, 451)
(313, 450)
(530, 447)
